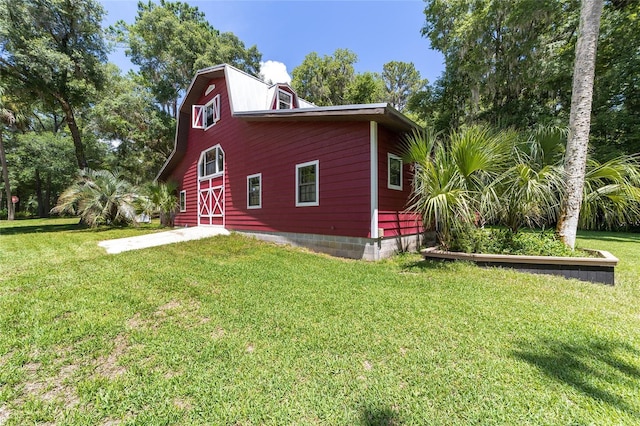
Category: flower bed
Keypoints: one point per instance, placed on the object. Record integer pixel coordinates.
(593, 269)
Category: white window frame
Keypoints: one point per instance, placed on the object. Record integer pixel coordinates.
(183, 200)
(214, 104)
(259, 205)
(289, 103)
(393, 157)
(316, 164)
(199, 114)
(217, 171)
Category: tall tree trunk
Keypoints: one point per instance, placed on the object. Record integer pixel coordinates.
(75, 132)
(5, 177)
(47, 196)
(38, 188)
(575, 159)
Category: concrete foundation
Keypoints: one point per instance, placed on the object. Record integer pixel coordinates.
(348, 247)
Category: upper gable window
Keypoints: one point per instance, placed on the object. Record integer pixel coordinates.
(285, 100)
(205, 116)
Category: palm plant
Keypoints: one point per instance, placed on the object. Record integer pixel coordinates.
(512, 181)
(451, 176)
(99, 197)
(528, 191)
(611, 193)
(159, 198)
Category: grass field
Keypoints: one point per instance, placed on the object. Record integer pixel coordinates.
(229, 330)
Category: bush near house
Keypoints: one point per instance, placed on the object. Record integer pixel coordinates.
(102, 197)
(511, 179)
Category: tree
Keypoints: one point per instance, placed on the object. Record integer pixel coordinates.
(170, 41)
(401, 81)
(99, 197)
(505, 60)
(580, 120)
(615, 127)
(527, 192)
(7, 118)
(44, 165)
(126, 114)
(512, 179)
(510, 63)
(54, 49)
(325, 81)
(611, 197)
(365, 88)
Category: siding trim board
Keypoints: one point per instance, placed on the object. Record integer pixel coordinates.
(373, 166)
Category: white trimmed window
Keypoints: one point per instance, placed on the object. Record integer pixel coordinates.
(285, 100)
(307, 184)
(254, 191)
(205, 116)
(394, 172)
(211, 162)
(183, 201)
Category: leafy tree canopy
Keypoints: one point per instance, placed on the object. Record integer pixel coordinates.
(325, 80)
(126, 115)
(332, 80)
(509, 63)
(401, 81)
(170, 41)
(54, 49)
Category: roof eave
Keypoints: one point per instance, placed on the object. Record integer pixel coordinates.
(382, 113)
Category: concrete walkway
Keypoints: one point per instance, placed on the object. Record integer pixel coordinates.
(161, 238)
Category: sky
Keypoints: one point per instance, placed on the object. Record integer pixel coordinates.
(285, 31)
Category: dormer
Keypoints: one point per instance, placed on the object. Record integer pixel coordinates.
(207, 115)
(283, 97)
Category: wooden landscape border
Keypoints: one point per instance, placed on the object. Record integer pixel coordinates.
(592, 269)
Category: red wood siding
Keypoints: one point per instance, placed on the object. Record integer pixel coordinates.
(274, 149)
(392, 203)
(186, 173)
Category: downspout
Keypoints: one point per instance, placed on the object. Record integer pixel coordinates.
(373, 168)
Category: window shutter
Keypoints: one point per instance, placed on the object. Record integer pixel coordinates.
(197, 116)
(216, 108)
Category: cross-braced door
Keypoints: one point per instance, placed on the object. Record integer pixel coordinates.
(211, 204)
(211, 197)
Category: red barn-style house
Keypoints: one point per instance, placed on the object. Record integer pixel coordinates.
(255, 158)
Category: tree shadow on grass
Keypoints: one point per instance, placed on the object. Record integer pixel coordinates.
(379, 416)
(431, 265)
(34, 229)
(596, 368)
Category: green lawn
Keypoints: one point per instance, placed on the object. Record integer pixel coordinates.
(234, 331)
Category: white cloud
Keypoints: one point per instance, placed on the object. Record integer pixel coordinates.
(274, 72)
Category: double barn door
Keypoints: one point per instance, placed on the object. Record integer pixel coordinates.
(211, 201)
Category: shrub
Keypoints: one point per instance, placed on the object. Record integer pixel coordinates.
(512, 180)
(100, 198)
(505, 241)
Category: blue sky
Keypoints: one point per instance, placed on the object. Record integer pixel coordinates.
(378, 31)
